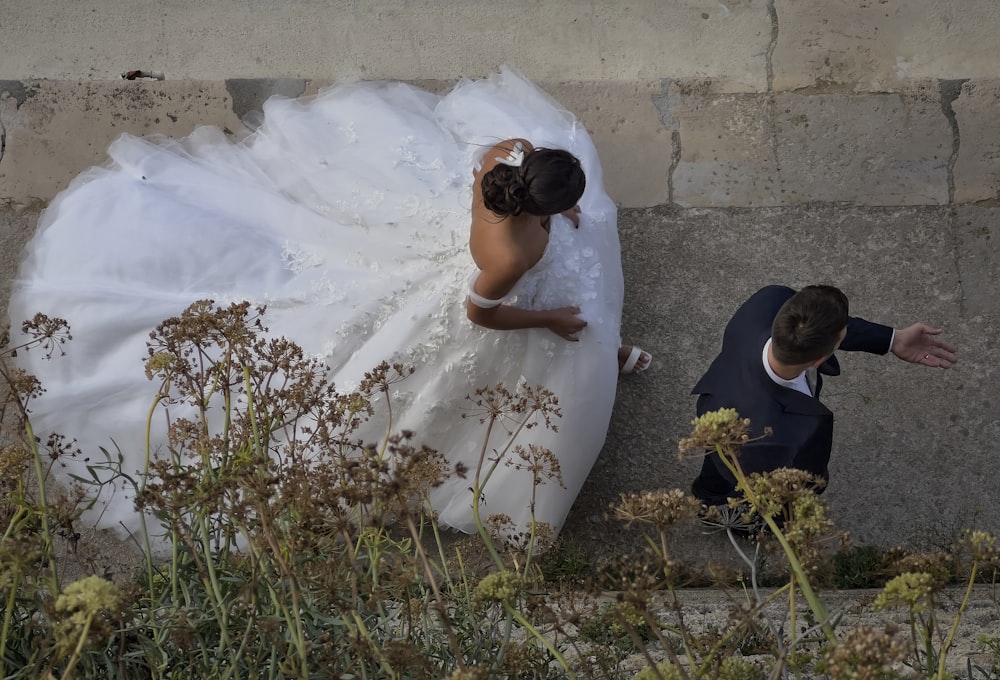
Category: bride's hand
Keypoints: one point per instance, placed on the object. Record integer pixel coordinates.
(574, 215)
(565, 323)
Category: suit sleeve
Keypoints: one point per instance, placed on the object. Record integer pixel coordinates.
(866, 336)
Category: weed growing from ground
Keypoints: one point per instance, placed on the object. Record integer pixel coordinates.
(277, 544)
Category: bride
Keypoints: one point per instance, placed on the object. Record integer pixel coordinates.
(347, 215)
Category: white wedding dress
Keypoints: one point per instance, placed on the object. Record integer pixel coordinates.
(347, 214)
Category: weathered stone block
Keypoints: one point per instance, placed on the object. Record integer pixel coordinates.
(873, 45)
(977, 166)
(382, 39)
(725, 155)
(55, 130)
(634, 146)
(872, 149)
(750, 150)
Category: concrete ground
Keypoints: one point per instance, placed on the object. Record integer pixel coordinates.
(913, 454)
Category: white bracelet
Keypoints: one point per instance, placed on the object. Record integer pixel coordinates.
(478, 300)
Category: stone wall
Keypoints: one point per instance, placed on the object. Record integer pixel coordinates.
(694, 102)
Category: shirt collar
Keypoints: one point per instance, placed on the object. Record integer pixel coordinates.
(798, 383)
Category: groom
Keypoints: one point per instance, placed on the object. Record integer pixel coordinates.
(775, 350)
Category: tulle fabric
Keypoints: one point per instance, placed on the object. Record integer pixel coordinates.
(347, 214)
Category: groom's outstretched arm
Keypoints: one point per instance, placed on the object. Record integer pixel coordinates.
(916, 344)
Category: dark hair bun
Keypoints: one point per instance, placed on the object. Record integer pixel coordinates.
(548, 182)
(504, 192)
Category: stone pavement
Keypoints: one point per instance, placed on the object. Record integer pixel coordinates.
(914, 448)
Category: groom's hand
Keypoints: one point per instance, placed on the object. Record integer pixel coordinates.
(918, 344)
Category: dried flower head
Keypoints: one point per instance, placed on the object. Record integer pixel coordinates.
(540, 461)
(777, 490)
(661, 509)
(159, 365)
(864, 653)
(635, 577)
(534, 539)
(415, 470)
(383, 377)
(13, 461)
(663, 671)
(735, 668)
(49, 333)
(737, 516)
(910, 590)
(522, 659)
(722, 430)
(500, 586)
(940, 565)
(79, 609)
(981, 546)
(526, 407)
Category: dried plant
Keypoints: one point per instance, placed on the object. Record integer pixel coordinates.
(279, 544)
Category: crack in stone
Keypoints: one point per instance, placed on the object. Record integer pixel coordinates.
(950, 91)
(675, 160)
(772, 12)
(663, 102)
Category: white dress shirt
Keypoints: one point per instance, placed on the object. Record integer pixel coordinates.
(798, 383)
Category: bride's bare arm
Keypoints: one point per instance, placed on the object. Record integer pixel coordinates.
(495, 284)
(564, 321)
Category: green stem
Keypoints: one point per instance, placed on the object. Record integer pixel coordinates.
(150, 569)
(541, 638)
(477, 488)
(439, 544)
(43, 507)
(791, 608)
(958, 617)
(294, 618)
(815, 603)
(927, 635)
(7, 616)
(21, 513)
(477, 492)
(212, 588)
(439, 607)
(79, 648)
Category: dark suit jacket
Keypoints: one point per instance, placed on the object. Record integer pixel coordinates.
(803, 427)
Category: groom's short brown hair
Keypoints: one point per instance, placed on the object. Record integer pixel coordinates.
(809, 324)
